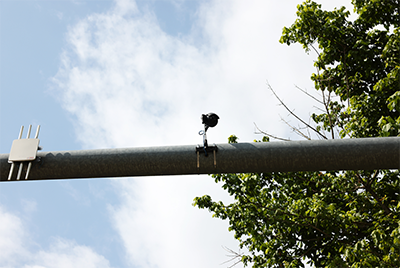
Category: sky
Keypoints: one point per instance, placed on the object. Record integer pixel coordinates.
(125, 73)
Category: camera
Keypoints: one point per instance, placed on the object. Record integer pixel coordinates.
(209, 120)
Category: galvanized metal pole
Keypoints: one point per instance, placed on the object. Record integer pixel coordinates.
(345, 154)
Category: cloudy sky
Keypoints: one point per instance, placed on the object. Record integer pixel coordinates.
(109, 74)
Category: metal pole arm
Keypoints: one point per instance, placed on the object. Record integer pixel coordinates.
(320, 155)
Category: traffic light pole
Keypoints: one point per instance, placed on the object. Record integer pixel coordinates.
(320, 155)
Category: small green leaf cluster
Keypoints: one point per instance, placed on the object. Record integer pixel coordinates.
(232, 139)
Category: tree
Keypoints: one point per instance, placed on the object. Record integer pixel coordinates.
(335, 218)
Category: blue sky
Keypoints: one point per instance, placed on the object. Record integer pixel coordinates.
(103, 74)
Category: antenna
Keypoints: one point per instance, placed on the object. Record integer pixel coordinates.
(23, 150)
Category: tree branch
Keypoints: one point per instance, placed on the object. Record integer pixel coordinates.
(308, 94)
(298, 118)
(269, 135)
(233, 255)
(326, 104)
(368, 188)
(296, 130)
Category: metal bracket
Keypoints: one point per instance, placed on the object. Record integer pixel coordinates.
(206, 149)
(208, 120)
(23, 150)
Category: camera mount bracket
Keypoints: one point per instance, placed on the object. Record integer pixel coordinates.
(206, 149)
(23, 150)
(209, 120)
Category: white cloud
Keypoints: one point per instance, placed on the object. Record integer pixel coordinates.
(130, 84)
(11, 238)
(16, 248)
(67, 254)
(160, 228)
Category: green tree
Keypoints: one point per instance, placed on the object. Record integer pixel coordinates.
(335, 218)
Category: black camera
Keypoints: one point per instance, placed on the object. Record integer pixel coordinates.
(209, 120)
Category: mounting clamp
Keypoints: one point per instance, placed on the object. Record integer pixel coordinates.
(206, 149)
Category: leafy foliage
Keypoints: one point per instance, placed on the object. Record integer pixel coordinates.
(333, 219)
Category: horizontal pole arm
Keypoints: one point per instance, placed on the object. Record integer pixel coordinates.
(319, 155)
